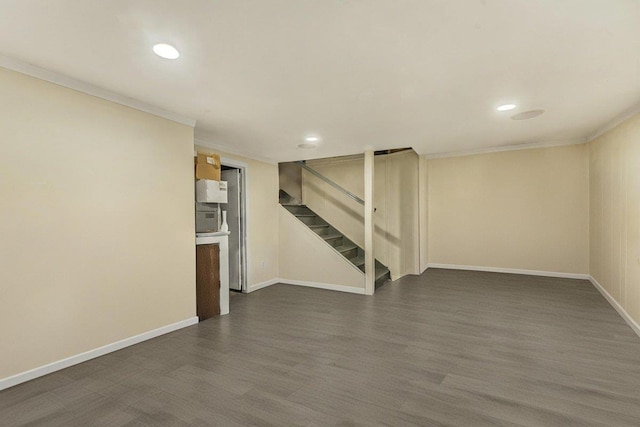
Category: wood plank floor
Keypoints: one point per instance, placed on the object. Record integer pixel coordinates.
(451, 348)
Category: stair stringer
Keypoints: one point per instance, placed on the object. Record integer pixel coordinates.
(306, 257)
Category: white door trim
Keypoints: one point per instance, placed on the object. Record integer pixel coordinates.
(244, 207)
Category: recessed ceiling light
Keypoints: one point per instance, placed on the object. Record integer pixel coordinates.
(528, 115)
(166, 51)
(312, 139)
(307, 145)
(506, 107)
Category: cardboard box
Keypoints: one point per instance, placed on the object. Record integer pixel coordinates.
(208, 166)
(209, 191)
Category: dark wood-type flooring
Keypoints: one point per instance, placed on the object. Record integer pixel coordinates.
(445, 348)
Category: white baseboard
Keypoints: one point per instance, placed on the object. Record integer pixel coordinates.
(261, 285)
(329, 286)
(511, 271)
(621, 311)
(92, 354)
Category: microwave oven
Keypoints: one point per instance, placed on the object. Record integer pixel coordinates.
(207, 217)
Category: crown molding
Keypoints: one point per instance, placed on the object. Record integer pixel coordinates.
(356, 157)
(334, 160)
(90, 89)
(502, 148)
(231, 150)
(616, 121)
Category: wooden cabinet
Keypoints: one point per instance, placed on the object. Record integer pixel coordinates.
(207, 281)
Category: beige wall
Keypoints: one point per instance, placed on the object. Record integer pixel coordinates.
(615, 214)
(525, 209)
(397, 239)
(262, 217)
(290, 179)
(338, 209)
(304, 256)
(96, 222)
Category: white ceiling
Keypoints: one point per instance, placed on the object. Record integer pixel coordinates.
(260, 75)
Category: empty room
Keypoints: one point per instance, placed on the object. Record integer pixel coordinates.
(320, 213)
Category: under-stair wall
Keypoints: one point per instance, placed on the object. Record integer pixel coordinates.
(305, 258)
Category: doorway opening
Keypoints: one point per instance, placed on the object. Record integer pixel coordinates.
(235, 174)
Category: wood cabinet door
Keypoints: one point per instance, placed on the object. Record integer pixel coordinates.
(207, 281)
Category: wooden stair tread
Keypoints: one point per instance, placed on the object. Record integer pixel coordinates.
(345, 248)
(381, 271)
(332, 236)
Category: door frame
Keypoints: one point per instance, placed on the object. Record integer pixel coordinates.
(244, 207)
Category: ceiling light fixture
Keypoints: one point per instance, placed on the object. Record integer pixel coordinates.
(307, 145)
(310, 141)
(506, 107)
(166, 51)
(528, 115)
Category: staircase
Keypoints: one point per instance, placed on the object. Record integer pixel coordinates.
(338, 241)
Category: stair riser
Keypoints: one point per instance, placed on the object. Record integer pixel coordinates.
(334, 242)
(322, 231)
(350, 254)
(299, 210)
(380, 281)
(288, 201)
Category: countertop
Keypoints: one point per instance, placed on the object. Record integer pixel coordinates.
(213, 234)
